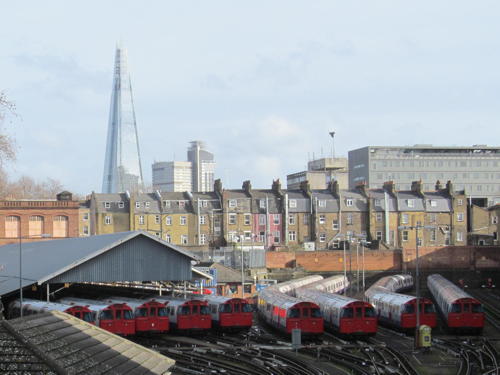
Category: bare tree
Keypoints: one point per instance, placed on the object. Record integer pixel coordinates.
(7, 145)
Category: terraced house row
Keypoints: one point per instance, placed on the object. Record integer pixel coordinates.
(275, 218)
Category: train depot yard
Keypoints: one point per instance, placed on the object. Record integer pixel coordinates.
(308, 323)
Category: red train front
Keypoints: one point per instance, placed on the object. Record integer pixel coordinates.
(230, 314)
(427, 314)
(305, 316)
(357, 318)
(188, 315)
(151, 316)
(466, 313)
(117, 318)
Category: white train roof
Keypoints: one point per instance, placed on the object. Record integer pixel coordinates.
(90, 303)
(44, 305)
(325, 298)
(447, 289)
(382, 295)
(282, 300)
(291, 285)
(328, 284)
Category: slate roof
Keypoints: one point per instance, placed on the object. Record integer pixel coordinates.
(224, 274)
(44, 260)
(405, 196)
(379, 194)
(56, 342)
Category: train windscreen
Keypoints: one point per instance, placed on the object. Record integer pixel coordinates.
(456, 308)
(369, 312)
(315, 313)
(294, 313)
(347, 313)
(429, 308)
(225, 308)
(204, 310)
(247, 307)
(141, 313)
(88, 317)
(162, 311)
(477, 308)
(409, 309)
(106, 315)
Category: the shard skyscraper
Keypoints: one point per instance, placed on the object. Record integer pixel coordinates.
(122, 164)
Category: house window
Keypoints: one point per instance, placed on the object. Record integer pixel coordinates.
(433, 235)
(335, 225)
(306, 219)
(121, 204)
(494, 220)
(322, 203)
(322, 219)
(262, 236)
(232, 203)
(292, 236)
(182, 203)
(141, 220)
(377, 202)
(12, 226)
(168, 238)
(247, 219)
(379, 216)
(157, 219)
(292, 203)
(137, 204)
(349, 219)
(204, 203)
(107, 220)
(419, 241)
(322, 237)
(460, 236)
(262, 203)
(433, 203)
(203, 239)
(202, 219)
(107, 204)
(379, 235)
(460, 202)
(348, 202)
(147, 204)
(248, 235)
(291, 219)
(276, 219)
(85, 216)
(168, 220)
(166, 204)
(184, 239)
(183, 220)
(410, 203)
(460, 216)
(262, 219)
(404, 219)
(348, 235)
(85, 230)
(277, 236)
(60, 226)
(432, 218)
(232, 219)
(405, 235)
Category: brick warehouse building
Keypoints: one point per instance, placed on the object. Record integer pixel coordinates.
(33, 219)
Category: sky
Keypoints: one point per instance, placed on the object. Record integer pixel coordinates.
(261, 82)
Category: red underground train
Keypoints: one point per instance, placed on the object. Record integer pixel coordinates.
(460, 310)
(187, 315)
(229, 314)
(36, 307)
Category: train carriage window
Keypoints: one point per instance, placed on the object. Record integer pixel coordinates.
(429, 308)
(204, 310)
(369, 312)
(409, 309)
(347, 313)
(184, 310)
(225, 308)
(359, 312)
(141, 313)
(88, 317)
(247, 307)
(315, 313)
(477, 308)
(118, 314)
(128, 315)
(162, 311)
(293, 313)
(106, 315)
(456, 308)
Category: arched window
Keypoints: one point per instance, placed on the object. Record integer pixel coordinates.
(35, 226)
(60, 226)
(12, 226)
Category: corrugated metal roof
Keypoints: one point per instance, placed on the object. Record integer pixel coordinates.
(45, 260)
(68, 345)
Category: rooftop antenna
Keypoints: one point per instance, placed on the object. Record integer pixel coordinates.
(332, 134)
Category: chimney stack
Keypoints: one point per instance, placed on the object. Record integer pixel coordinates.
(390, 187)
(276, 187)
(438, 185)
(247, 186)
(416, 187)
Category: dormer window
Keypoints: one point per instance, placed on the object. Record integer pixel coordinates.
(377, 202)
(107, 204)
(433, 203)
(292, 203)
(182, 203)
(410, 203)
(322, 203)
(121, 204)
(137, 204)
(147, 204)
(232, 203)
(166, 204)
(349, 202)
(262, 203)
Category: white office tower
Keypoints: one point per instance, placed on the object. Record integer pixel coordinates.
(122, 164)
(172, 176)
(203, 165)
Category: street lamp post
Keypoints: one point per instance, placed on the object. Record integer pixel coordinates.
(363, 245)
(417, 274)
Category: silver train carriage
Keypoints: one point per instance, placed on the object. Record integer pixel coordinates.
(395, 283)
(31, 306)
(288, 287)
(333, 284)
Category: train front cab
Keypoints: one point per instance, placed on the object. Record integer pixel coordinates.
(358, 318)
(466, 314)
(428, 314)
(151, 317)
(235, 314)
(117, 318)
(305, 316)
(82, 312)
(193, 315)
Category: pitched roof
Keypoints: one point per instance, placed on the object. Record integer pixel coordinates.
(44, 260)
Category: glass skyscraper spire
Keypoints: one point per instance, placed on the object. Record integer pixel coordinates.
(122, 164)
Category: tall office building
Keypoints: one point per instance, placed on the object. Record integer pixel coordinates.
(203, 165)
(122, 164)
(474, 168)
(172, 176)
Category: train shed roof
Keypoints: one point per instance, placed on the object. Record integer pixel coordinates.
(56, 342)
(127, 256)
